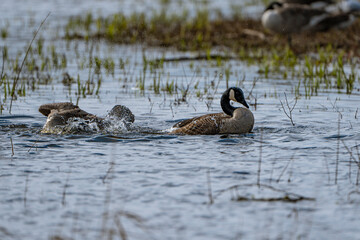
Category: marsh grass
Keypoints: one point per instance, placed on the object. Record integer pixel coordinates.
(88, 87)
(327, 68)
(200, 31)
(4, 32)
(182, 31)
(324, 70)
(22, 64)
(289, 109)
(353, 159)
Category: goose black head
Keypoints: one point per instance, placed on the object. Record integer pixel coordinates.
(237, 95)
(273, 5)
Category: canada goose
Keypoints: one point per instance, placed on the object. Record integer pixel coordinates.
(319, 4)
(350, 6)
(289, 19)
(345, 6)
(59, 114)
(231, 121)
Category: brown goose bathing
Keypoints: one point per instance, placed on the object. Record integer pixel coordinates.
(60, 114)
(231, 121)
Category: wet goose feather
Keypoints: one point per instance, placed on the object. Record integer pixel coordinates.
(59, 114)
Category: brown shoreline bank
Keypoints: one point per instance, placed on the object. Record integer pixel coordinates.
(201, 33)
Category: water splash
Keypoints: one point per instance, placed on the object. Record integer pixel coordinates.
(80, 126)
(113, 124)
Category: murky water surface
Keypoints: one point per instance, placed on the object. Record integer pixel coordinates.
(156, 186)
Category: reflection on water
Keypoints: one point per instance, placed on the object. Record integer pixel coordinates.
(94, 185)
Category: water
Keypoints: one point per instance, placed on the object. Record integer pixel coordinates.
(156, 186)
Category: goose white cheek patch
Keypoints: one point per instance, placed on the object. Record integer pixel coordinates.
(232, 96)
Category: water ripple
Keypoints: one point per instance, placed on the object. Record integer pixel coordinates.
(16, 117)
(105, 139)
(336, 136)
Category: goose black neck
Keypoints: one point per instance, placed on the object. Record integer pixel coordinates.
(225, 104)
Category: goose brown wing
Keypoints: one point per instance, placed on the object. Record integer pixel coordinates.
(71, 113)
(47, 108)
(331, 22)
(305, 11)
(207, 124)
(299, 16)
(184, 122)
(75, 113)
(307, 1)
(188, 121)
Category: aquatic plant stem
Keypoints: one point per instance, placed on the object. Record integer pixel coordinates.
(260, 158)
(337, 151)
(34, 145)
(26, 189)
(327, 168)
(284, 169)
(211, 97)
(356, 161)
(12, 147)
(289, 196)
(3, 65)
(136, 219)
(358, 173)
(252, 88)
(63, 201)
(108, 172)
(23, 62)
(122, 232)
(107, 202)
(272, 170)
(290, 109)
(211, 200)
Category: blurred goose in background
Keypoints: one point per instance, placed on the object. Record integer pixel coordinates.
(349, 6)
(288, 19)
(59, 114)
(344, 6)
(319, 4)
(232, 121)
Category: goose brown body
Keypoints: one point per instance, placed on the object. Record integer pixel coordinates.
(59, 114)
(231, 121)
